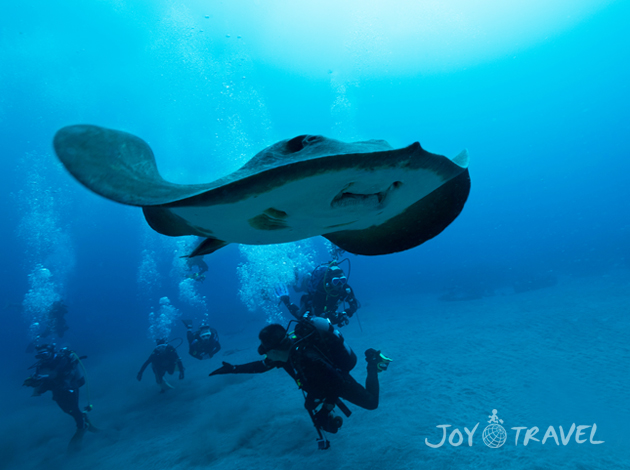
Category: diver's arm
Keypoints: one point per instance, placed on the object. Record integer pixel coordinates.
(216, 347)
(181, 367)
(353, 305)
(193, 350)
(144, 366)
(174, 357)
(293, 309)
(256, 367)
(41, 383)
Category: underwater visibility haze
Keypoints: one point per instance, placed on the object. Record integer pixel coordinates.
(507, 325)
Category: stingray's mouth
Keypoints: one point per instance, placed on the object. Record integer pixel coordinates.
(346, 198)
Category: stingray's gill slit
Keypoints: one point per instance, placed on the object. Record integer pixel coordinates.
(347, 198)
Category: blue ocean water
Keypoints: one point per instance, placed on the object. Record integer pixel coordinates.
(536, 264)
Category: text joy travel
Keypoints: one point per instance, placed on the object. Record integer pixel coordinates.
(494, 435)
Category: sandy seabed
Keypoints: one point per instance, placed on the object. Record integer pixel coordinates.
(549, 357)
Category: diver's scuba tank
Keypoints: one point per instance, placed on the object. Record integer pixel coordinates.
(334, 346)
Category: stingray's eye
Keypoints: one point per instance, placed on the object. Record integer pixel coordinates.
(296, 144)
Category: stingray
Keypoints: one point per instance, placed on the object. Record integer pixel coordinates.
(365, 197)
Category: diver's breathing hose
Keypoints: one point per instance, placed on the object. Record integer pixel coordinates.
(87, 382)
(349, 266)
(181, 341)
(359, 321)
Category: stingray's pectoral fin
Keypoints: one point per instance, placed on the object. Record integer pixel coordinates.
(164, 221)
(209, 245)
(116, 165)
(418, 223)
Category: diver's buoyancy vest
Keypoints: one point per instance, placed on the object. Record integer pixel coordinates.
(328, 340)
(164, 354)
(72, 374)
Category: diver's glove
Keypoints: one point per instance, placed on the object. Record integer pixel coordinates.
(30, 382)
(139, 376)
(282, 293)
(181, 375)
(339, 319)
(36, 382)
(226, 368)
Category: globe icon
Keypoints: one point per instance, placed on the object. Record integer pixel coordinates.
(494, 436)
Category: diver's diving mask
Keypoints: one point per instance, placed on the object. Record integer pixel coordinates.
(339, 281)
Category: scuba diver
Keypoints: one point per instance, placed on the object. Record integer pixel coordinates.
(202, 268)
(317, 357)
(328, 288)
(204, 343)
(163, 359)
(63, 374)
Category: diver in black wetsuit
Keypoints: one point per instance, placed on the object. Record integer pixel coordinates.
(203, 344)
(202, 268)
(317, 357)
(328, 288)
(60, 372)
(163, 359)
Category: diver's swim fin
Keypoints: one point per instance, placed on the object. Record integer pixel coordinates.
(90, 426)
(76, 443)
(164, 386)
